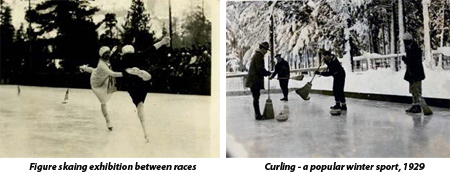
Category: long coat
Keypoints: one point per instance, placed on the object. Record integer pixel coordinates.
(413, 61)
(257, 71)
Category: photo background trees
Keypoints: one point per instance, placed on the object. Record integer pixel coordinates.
(55, 37)
(304, 27)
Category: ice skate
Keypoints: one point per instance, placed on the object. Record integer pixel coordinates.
(109, 126)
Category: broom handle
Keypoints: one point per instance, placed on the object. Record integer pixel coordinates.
(315, 74)
(268, 82)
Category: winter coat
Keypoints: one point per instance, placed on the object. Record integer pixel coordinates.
(282, 69)
(413, 61)
(256, 73)
(334, 68)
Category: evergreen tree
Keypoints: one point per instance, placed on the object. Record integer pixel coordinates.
(136, 27)
(76, 41)
(110, 38)
(21, 49)
(6, 39)
(197, 28)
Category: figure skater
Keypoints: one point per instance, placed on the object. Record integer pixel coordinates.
(103, 80)
(135, 79)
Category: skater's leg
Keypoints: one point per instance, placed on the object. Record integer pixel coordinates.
(341, 94)
(256, 94)
(284, 88)
(103, 97)
(415, 90)
(140, 111)
(336, 93)
(105, 114)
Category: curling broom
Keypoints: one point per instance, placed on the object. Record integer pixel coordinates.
(304, 91)
(268, 109)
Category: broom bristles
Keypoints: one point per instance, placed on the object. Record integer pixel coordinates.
(425, 108)
(304, 91)
(268, 110)
(298, 78)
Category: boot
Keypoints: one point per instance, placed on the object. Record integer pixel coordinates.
(337, 106)
(414, 109)
(344, 106)
(258, 115)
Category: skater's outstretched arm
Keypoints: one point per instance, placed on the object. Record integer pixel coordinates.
(157, 45)
(86, 68)
(110, 72)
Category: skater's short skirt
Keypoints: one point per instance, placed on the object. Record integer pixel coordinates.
(98, 80)
(138, 94)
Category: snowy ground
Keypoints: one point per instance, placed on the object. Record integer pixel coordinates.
(381, 81)
(368, 129)
(37, 124)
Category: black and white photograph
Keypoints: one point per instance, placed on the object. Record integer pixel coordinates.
(107, 78)
(338, 79)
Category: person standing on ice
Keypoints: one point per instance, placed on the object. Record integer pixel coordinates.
(135, 79)
(103, 80)
(335, 69)
(414, 72)
(256, 74)
(282, 69)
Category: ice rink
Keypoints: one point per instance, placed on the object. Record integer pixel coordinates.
(37, 124)
(368, 129)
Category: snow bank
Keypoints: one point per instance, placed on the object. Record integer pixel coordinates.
(382, 81)
(444, 50)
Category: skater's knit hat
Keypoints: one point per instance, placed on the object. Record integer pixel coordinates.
(103, 50)
(264, 45)
(407, 36)
(127, 49)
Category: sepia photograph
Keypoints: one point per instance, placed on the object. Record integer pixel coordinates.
(107, 78)
(338, 79)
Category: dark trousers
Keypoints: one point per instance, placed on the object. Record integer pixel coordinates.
(284, 87)
(338, 87)
(256, 93)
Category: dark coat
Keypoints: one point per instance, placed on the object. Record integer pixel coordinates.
(255, 78)
(282, 69)
(334, 68)
(413, 61)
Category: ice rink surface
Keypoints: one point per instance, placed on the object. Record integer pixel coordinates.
(368, 129)
(37, 124)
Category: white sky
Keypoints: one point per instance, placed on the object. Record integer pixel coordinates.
(158, 10)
